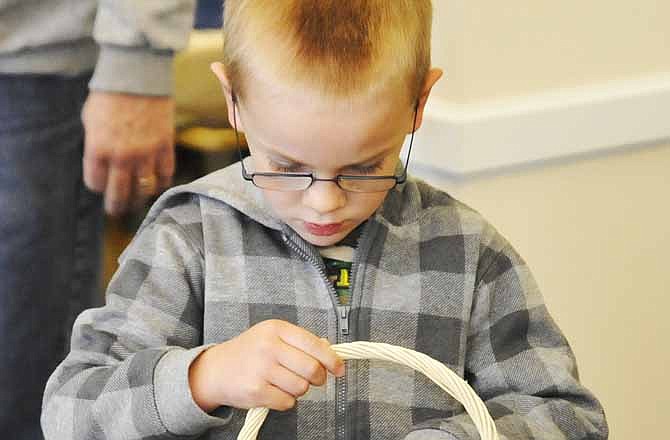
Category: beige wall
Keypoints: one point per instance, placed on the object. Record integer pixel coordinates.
(495, 49)
(595, 230)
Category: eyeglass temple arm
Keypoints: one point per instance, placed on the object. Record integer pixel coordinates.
(403, 178)
(245, 175)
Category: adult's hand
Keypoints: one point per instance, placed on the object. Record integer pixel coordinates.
(129, 147)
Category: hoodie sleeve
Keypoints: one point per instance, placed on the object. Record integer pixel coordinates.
(518, 362)
(126, 376)
(137, 42)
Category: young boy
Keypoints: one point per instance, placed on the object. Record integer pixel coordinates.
(236, 285)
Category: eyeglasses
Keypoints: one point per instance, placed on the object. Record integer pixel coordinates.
(301, 181)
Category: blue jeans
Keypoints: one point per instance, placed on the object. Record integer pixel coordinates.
(50, 239)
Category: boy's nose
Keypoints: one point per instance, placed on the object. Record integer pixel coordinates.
(324, 197)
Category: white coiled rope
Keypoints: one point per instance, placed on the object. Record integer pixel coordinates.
(434, 370)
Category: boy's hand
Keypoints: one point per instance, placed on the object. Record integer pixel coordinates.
(269, 365)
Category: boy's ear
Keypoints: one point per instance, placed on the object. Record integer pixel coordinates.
(220, 73)
(431, 79)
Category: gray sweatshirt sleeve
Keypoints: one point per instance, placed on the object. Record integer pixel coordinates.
(137, 41)
(518, 362)
(126, 376)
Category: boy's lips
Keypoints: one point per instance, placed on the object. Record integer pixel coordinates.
(323, 229)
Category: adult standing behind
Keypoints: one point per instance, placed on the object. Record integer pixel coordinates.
(89, 79)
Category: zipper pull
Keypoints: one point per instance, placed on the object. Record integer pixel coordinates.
(343, 315)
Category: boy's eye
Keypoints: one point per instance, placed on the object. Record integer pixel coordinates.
(281, 169)
(368, 169)
(284, 168)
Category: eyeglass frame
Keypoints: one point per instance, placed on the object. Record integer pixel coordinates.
(250, 177)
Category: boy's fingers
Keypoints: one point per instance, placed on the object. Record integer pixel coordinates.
(289, 382)
(276, 399)
(302, 364)
(314, 346)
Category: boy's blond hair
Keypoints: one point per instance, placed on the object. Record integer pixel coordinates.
(342, 48)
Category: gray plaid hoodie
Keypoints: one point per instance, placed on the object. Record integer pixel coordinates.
(429, 274)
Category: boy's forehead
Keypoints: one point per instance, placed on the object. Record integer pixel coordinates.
(272, 87)
(272, 98)
(302, 124)
(312, 129)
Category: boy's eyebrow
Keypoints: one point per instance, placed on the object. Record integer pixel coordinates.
(280, 156)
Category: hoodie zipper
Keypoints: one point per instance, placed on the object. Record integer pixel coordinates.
(344, 427)
(343, 335)
(343, 317)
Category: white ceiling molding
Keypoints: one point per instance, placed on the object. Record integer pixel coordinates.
(462, 140)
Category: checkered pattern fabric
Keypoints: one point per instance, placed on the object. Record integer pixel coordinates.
(429, 274)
